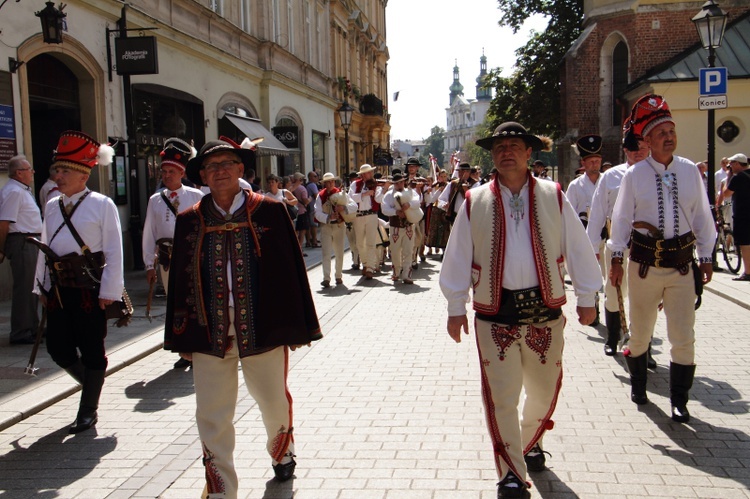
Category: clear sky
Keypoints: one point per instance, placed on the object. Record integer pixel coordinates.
(425, 39)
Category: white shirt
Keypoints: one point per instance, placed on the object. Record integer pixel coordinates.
(364, 203)
(580, 191)
(519, 268)
(719, 177)
(638, 200)
(97, 222)
(18, 207)
(160, 221)
(603, 202)
(445, 198)
(389, 206)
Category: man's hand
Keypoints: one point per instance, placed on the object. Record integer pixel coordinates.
(295, 347)
(707, 271)
(455, 324)
(340, 208)
(400, 214)
(615, 274)
(103, 303)
(151, 276)
(586, 315)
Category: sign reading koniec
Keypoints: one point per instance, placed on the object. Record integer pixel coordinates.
(136, 56)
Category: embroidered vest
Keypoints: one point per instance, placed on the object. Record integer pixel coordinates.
(487, 218)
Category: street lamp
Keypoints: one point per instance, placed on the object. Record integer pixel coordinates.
(345, 116)
(710, 23)
(52, 22)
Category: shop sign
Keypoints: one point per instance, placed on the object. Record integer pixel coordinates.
(136, 55)
(287, 135)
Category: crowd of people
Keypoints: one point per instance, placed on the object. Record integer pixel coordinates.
(641, 232)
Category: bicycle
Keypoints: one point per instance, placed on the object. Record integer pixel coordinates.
(725, 244)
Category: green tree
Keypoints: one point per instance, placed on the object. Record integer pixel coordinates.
(432, 145)
(531, 95)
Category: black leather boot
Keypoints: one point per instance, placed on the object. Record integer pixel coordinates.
(613, 332)
(680, 383)
(77, 371)
(651, 364)
(92, 389)
(638, 377)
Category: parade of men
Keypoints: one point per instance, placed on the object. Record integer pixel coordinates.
(600, 217)
(358, 260)
(19, 219)
(80, 272)
(331, 204)
(367, 194)
(662, 215)
(161, 213)
(225, 311)
(518, 292)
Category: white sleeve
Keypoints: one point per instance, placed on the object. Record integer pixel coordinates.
(445, 197)
(597, 215)
(149, 238)
(585, 273)
(455, 272)
(319, 215)
(388, 206)
(113, 281)
(622, 216)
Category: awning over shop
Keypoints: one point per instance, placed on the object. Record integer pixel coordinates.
(253, 129)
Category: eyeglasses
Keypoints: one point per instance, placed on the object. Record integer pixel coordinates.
(214, 167)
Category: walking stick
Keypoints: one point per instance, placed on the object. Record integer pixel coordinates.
(30, 369)
(150, 299)
(623, 320)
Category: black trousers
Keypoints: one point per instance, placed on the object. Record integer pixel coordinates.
(76, 325)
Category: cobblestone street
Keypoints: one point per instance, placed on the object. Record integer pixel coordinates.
(387, 406)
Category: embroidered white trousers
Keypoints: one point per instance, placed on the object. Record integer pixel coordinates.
(677, 292)
(366, 229)
(351, 236)
(216, 385)
(402, 250)
(332, 243)
(512, 358)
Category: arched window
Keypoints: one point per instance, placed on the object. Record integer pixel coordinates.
(619, 80)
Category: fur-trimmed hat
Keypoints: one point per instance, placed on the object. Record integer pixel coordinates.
(589, 145)
(648, 112)
(176, 153)
(77, 151)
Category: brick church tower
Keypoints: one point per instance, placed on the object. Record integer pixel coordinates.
(621, 42)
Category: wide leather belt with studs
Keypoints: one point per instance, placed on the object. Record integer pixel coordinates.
(522, 306)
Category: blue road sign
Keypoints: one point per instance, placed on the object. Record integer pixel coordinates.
(713, 81)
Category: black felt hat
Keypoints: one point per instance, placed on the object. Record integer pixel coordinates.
(510, 130)
(195, 165)
(589, 145)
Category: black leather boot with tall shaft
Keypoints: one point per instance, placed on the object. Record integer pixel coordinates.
(77, 371)
(92, 389)
(638, 377)
(680, 383)
(613, 332)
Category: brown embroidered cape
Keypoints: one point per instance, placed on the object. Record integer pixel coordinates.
(273, 305)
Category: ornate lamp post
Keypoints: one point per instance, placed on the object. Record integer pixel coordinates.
(710, 23)
(345, 116)
(52, 23)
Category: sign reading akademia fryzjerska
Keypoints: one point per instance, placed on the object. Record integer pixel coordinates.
(136, 55)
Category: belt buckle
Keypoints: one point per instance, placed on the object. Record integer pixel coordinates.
(657, 262)
(231, 226)
(59, 266)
